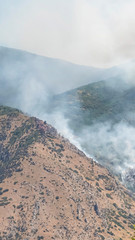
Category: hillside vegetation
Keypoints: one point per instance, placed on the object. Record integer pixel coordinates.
(102, 101)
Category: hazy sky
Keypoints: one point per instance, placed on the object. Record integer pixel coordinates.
(89, 32)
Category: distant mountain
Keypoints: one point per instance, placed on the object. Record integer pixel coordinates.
(51, 190)
(28, 80)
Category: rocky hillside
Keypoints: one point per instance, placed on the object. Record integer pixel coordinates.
(51, 190)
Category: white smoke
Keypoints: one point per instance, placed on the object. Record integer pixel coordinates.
(112, 146)
(116, 144)
(97, 32)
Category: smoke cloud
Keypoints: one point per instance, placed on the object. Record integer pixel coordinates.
(111, 144)
(99, 33)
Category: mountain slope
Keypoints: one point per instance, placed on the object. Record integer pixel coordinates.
(51, 190)
(102, 101)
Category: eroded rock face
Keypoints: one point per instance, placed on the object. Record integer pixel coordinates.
(51, 190)
(129, 179)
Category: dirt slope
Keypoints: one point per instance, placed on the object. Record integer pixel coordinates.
(51, 190)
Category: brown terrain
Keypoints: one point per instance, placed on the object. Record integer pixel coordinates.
(51, 190)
